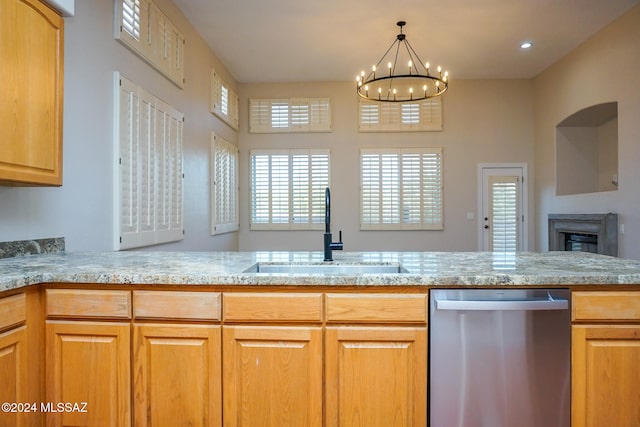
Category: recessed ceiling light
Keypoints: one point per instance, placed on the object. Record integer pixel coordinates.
(526, 45)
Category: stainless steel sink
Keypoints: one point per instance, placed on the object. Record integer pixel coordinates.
(326, 268)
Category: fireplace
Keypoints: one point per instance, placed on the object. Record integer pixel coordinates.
(597, 233)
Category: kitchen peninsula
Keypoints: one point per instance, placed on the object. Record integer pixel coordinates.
(142, 336)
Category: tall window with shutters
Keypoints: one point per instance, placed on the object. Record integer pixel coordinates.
(148, 149)
(287, 189)
(289, 115)
(401, 189)
(224, 188)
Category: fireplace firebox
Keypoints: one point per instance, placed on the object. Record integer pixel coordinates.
(597, 233)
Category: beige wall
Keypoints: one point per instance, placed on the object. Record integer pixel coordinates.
(605, 68)
(485, 121)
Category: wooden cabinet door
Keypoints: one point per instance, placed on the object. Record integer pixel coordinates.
(13, 377)
(605, 375)
(272, 376)
(177, 375)
(31, 66)
(88, 362)
(376, 376)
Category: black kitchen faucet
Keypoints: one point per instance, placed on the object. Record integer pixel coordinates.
(329, 246)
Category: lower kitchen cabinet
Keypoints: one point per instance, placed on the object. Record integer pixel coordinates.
(177, 375)
(605, 365)
(21, 356)
(376, 376)
(88, 365)
(272, 376)
(13, 375)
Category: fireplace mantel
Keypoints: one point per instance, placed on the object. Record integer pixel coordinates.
(604, 226)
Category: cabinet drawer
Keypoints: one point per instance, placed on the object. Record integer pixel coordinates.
(13, 311)
(249, 307)
(599, 306)
(176, 305)
(88, 303)
(377, 308)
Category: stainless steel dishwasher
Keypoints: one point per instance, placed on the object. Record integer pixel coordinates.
(499, 358)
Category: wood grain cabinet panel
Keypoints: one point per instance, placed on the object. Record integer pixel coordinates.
(89, 362)
(377, 308)
(177, 305)
(177, 375)
(376, 377)
(272, 376)
(272, 307)
(13, 375)
(605, 375)
(13, 311)
(605, 306)
(31, 66)
(88, 303)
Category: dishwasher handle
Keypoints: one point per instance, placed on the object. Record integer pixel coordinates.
(502, 305)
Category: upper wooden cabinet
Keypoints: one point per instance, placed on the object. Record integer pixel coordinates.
(31, 88)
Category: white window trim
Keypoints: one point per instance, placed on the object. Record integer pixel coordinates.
(224, 186)
(399, 210)
(159, 42)
(224, 107)
(410, 116)
(287, 115)
(148, 192)
(312, 215)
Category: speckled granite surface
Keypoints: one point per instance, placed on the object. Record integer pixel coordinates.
(227, 268)
(31, 247)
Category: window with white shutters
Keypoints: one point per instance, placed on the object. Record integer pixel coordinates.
(148, 191)
(148, 32)
(401, 189)
(504, 215)
(224, 101)
(408, 116)
(287, 188)
(289, 115)
(224, 188)
(131, 19)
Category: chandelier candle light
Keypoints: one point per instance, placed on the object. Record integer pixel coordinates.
(401, 83)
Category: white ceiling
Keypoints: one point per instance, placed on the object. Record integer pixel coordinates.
(332, 40)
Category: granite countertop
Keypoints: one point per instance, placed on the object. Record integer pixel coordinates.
(228, 268)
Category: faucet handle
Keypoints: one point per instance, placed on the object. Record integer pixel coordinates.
(340, 236)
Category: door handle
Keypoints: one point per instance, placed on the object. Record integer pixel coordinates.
(502, 305)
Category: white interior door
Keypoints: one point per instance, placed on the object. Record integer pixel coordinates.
(502, 210)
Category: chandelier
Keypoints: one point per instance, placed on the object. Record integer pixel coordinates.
(406, 77)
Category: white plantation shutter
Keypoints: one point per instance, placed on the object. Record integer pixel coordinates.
(504, 215)
(127, 147)
(149, 159)
(401, 189)
(287, 188)
(146, 30)
(224, 178)
(407, 116)
(147, 165)
(131, 19)
(224, 101)
(289, 115)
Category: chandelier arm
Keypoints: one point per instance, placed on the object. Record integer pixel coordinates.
(382, 58)
(422, 64)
